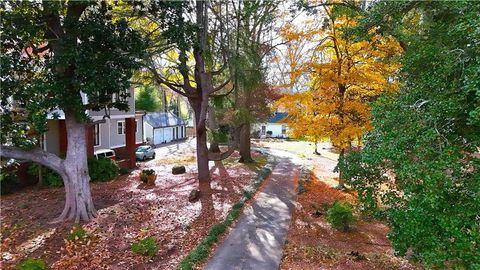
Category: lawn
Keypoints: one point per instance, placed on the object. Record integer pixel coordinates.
(128, 211)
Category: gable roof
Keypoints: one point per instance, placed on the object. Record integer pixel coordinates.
(163, 119)
(277, 117)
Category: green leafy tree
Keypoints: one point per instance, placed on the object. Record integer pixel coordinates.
(192, 42)
(54, 54)
(147, 99)
(421, 162)
(255, 23)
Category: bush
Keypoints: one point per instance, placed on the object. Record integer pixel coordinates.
(219, 136)
(123, 171)
(102, 169)
(77, 234)
(33, 264)
(8, 182)
(145, 247)
(340, 216)
(145, 173)
(50, 177)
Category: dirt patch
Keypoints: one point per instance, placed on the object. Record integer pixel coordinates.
(128, 211)
(313, 244)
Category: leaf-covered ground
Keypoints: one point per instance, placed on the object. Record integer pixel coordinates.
(313, 244)
(128, 211)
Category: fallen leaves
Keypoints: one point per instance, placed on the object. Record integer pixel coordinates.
(126, 213)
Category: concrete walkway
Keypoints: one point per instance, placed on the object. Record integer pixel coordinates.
(257, 240)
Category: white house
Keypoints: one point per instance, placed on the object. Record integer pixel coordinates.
(274, 127)
(163, 127)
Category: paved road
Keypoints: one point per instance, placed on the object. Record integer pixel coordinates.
(256, 242)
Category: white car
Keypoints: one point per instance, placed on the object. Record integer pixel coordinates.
(105, 153)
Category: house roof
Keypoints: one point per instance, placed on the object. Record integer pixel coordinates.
(277, 117)
(163, 119)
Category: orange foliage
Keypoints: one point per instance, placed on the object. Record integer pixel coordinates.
(344, 76)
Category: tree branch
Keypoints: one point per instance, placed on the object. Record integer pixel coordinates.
(225, 94)
(215, 156)
(172, 86)
(38, 155)
(220, 87)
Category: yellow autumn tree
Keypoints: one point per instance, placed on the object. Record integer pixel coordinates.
(344, 76)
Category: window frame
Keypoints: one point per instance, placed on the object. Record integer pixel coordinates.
(122, 122)
(96, 135)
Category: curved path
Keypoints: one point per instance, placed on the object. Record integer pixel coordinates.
(256, 242)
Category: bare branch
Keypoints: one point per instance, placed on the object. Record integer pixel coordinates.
(220, 87)
(225, 94)
(38, 155)
(172, 86)
(215, 156)
(218, 72)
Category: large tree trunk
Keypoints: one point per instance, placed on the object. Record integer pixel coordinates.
(78, 203)
(164, 100)
(73, 170)
(199, 110)
(245, 144)
(213, 126)
(202, 156)
(316, 147)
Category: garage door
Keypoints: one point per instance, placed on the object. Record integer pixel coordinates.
(168, 134)
(158, 136)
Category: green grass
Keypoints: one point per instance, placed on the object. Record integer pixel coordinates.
(202, 251)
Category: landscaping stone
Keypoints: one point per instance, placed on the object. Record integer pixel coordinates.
(178, 169)
(194, 195)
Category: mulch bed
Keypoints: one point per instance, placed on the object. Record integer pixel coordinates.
(128, 211)
(313, 244)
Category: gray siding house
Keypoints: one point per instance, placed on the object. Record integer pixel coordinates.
(112, 134)
(163, 127)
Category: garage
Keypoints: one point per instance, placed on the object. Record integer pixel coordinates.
(163, 127)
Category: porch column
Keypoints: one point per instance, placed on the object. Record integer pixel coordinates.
(62, 137)
(90, 135)
(130, 141)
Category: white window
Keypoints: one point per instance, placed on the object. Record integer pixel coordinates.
(136, 126)
(96, 131)
(121, 127)
(120, 96)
